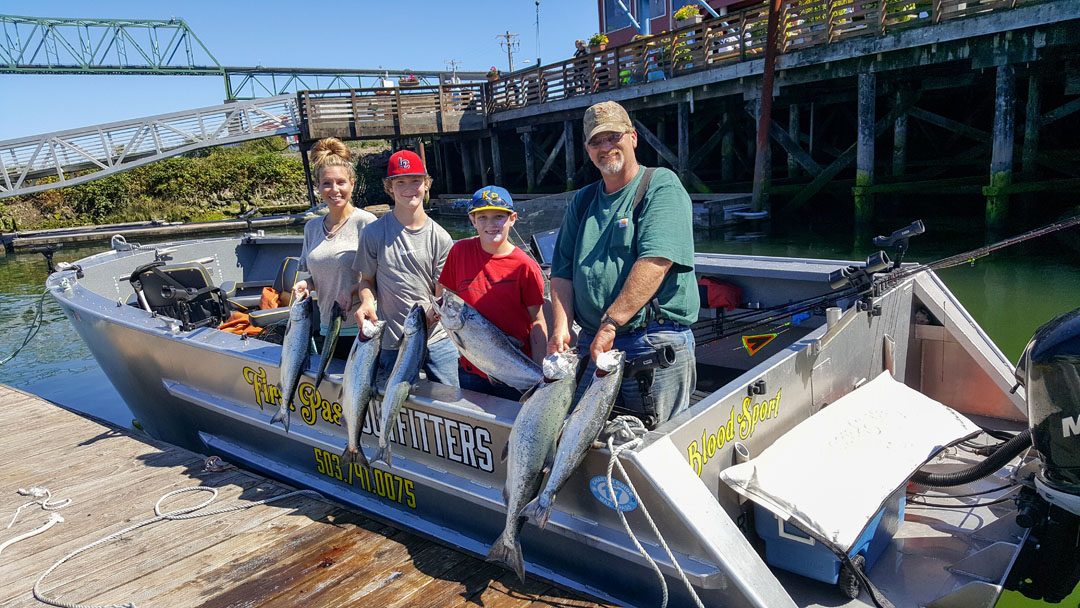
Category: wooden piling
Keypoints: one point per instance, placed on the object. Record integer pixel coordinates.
(684, 141)
(793, 131)
(570, 150)
(727, 150)
(899, 152)
(1001, 161)
(1031, 127)
(530, 162)
(496, 158)
(864, 154)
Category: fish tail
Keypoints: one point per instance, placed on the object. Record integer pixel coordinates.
(350, 458)
(538, 511)
(383, 453)
(508, 553)
(283, 418)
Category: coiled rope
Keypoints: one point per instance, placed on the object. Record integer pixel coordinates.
(627, 431)
(179, 514)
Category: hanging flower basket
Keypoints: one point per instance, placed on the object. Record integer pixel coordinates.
(408, 81)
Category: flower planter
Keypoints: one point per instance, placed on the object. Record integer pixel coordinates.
(408, 83)
(681, 23)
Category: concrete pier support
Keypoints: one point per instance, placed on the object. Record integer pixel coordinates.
(467, 159)
(530, 162)
(496, 158)
(1031, 128)
(1001, 160)
(899, 148)
(793, 131)
(727, 150)
(570, 149)
(684, 142)
(864, 154)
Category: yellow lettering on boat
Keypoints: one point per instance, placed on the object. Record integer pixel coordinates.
(383, 484)
(699, 452)
(265, 393)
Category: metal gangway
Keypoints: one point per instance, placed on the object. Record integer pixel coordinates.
(67, 158)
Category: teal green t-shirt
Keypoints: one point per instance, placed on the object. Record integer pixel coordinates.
(596, 254)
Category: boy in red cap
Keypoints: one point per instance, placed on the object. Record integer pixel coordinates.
(400, 257)
(500, 281)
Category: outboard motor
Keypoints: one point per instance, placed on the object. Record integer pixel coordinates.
(1050, 371)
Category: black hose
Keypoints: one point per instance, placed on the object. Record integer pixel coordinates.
(995, 461)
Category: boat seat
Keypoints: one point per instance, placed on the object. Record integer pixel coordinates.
(181, 291)
(287, 276)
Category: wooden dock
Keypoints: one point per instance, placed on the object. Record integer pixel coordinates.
(298, 551)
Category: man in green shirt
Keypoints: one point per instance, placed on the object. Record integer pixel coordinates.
(624, 267)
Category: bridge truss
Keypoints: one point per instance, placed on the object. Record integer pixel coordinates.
(67, 158)
(45, 45)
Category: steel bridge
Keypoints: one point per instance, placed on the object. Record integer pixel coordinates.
(43, 162)
(46, 45)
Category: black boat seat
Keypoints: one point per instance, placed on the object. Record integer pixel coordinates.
(182, 291)
(287, 276)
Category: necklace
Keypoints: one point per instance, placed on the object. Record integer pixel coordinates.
(332, 233)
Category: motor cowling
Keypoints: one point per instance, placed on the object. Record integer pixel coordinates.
(1049, 369)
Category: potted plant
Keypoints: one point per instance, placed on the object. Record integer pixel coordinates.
(598, 42)
(408, 80)
(688, 15)
(492, 73)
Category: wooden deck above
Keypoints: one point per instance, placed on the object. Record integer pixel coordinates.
(297, 552)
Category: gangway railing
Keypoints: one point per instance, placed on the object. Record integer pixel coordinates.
(388, 112)
(67, 158)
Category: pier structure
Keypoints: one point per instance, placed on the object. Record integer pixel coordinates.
(893, 98)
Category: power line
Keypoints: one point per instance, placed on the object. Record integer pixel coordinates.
(510, 42)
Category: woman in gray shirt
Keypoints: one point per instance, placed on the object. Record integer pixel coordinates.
(331, 241)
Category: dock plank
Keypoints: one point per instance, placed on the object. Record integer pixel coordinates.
(299, 551)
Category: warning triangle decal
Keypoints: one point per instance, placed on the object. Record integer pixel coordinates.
(753, 344)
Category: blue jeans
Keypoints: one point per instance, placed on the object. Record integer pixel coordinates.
(671, 387)
(472, 382)
(441, 364)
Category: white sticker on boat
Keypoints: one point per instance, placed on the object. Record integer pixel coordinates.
(626, 498)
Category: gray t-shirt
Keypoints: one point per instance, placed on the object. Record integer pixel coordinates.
(406, 265)
(330, 260)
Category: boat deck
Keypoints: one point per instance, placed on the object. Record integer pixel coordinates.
(298, 551)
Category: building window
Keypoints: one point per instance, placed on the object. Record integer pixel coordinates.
(614, 17)
(657, 8)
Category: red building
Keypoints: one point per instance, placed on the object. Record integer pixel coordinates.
(617, 26)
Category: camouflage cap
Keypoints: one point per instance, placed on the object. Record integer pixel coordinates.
(606, 116)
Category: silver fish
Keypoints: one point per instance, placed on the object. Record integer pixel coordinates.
(486, 346)
(410, 359)
(329, 342)
(579, 432)
(357, 388)
(531, 441)
(294, 356)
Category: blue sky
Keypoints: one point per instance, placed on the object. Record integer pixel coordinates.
(415, 34)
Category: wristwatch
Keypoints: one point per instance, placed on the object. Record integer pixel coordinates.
(606, 319)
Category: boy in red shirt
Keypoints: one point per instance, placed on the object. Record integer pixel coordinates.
(500, 281)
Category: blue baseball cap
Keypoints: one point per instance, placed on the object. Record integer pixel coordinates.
(491, 198)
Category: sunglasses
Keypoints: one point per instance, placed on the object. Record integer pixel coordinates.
(605, 140)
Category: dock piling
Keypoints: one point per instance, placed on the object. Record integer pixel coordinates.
(864, 153)
(1001, 162)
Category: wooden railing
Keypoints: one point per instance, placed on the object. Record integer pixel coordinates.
(375, 112)
(729, 39)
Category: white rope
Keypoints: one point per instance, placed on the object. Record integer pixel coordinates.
(629, 429)
(179, 514)
(54, 518)
(45, 500)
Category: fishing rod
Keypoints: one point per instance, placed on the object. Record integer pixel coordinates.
(856, 281)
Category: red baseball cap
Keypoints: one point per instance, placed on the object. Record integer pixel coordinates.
(405, 163)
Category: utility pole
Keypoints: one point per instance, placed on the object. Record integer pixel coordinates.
(453, 64)
(537, 33)
(511, 43)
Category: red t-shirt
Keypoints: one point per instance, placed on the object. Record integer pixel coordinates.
(500, 287)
